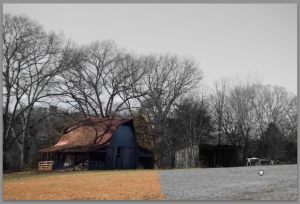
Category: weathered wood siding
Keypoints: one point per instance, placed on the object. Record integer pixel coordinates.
(122, 137)
(145, 160)
(209, 155)
(187, 157)
(125, 142)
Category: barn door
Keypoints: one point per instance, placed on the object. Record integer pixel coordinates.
(119, 162)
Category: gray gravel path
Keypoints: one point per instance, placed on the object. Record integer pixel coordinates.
(240, 183)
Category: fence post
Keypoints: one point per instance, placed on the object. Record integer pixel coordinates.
(88, 168)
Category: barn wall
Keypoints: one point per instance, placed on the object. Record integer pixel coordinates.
(184, 157)
(70, 161)
(125, 158)
(228, 157)
(135, 153)
(128, 158)
(125, 140)
(146, 163)
(122, 137)
(208, 155)
(146, 160)
(111, 157)
(102, 150)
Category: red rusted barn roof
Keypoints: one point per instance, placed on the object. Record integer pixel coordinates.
(86, 135)
(61, 143)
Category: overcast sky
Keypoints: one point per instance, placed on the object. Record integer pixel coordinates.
(226, 39)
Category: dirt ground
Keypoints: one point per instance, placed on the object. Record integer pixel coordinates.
(92, 185)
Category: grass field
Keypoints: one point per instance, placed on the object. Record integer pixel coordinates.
(82, 185)
(241, 183)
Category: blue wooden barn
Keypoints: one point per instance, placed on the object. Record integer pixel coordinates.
(98, 143)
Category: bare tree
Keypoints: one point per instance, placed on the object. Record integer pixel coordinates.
(193, 125)
(278, 103)
(102, 74)
(274, 105)
(234, 109)
(169, 77)
(244, 108)
(31, 60)
(224, 114)
(290, 122)
(218, 105)
(241, 99)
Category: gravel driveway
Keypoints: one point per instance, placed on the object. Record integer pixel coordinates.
(238, 183)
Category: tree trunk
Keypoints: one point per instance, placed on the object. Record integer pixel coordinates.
(24, 151)
(193, 158)
(199, 156)
(189, 157)
(172, 159)
(5, 166)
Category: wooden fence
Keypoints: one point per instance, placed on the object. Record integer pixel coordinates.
(45, 165)
(97, 165)
(260, 162)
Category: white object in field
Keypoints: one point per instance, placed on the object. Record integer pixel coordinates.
(261, 172)
(273, 162)
(249, 160)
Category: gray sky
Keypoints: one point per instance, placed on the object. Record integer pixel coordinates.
(226, 39)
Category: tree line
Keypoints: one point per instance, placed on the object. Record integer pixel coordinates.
(48, 81)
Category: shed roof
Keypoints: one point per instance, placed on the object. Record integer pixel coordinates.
(87, 135)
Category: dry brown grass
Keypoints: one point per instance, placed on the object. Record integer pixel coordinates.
(95, 185)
